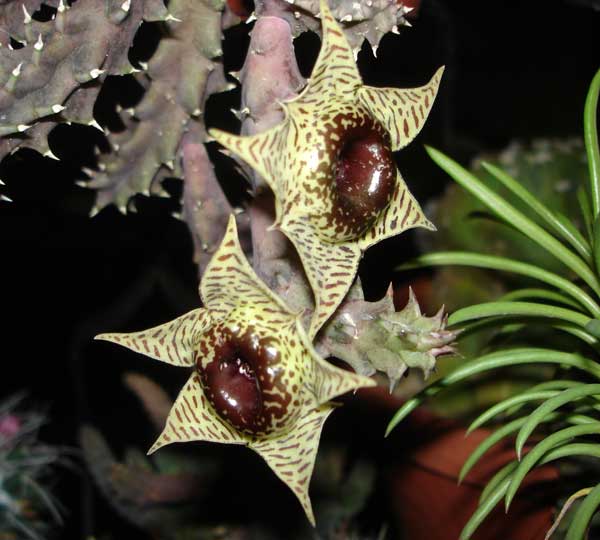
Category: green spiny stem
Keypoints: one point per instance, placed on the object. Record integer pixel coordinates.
(182, 73)
(362, 20)
(55, 77)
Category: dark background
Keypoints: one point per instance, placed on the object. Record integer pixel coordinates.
(513, 70)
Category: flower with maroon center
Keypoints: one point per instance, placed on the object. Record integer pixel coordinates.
(330, 166)
(255, 376)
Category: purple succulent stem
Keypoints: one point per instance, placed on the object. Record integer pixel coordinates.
(270, 75)
(205, 206)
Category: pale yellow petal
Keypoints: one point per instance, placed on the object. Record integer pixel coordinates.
(230, 282)
(292, 456)
(330, 268)
(258, 151)
(192, 418)
(171, 342)
(335, 70)
(403, 213)
(401, 111)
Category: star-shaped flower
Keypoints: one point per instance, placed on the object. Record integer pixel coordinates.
(331, 168)
(256, 378)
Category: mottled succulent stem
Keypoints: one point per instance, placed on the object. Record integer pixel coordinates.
(270, 74)
(205, 206)
(267, 246)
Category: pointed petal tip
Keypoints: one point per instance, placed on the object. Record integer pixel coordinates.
(429, 225)
(152, 449)
(368, 382)
(105, 337)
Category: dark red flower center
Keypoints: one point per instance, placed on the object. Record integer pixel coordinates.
(244, 380)
(365, 178)
(235, 390)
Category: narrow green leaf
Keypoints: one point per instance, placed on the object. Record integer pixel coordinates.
(529, 309)
(499, 484)
(538, 451)
(512, 324)
(593, 327)
(590, 135)
(566, 230)
(554, 385)
(501, 475)
(586, 211)
(584, 515)
(515, 218)
(572, 450)
(490, 361)
(580, 419)
(492, 262)
(577, 332)
(567, 223)
(596, 243)
(510, 428)
(567, 450)
(489, 442)
(513, 404)
(542, 294)
(483, 510)
(566, 396)
(498, 408)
